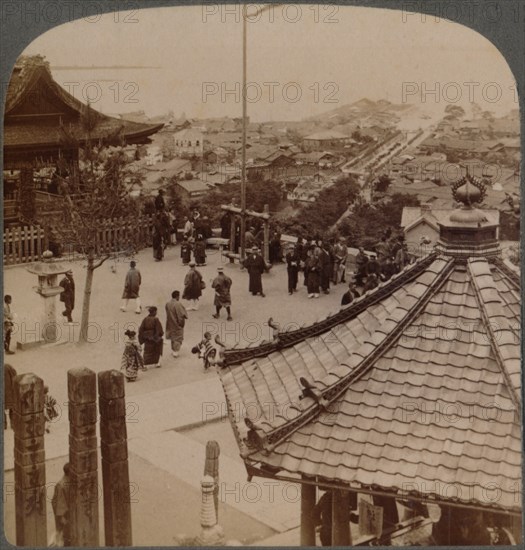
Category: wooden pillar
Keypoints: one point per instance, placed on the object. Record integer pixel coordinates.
(308, 501)
(114, 449)
(266, 235)
(82, 392)
(30, 471)
(341, 518)
(211, 468)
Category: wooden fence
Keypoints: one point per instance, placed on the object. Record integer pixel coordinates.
(25, 244)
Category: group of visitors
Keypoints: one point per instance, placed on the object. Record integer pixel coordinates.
(390, 257)
(197, 247)
(322, 262)
(151, 336)
(145, 350)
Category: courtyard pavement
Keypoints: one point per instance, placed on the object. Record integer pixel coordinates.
(171, 411)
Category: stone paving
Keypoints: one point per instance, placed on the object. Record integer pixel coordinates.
(165, 406)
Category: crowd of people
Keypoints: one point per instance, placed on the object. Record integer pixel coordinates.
(144, 350)
(322, 262)
(195, 230)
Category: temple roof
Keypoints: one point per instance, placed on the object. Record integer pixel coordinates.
(415, 384)
(40, 113)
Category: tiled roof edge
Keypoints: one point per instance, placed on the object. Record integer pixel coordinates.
(514, 394)
(513, 276)
(289, 339)
(255, 469)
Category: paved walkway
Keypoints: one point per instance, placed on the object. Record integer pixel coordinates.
(164, 403)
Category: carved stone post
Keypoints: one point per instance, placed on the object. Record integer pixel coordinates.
(341, 518)
(308, 500)
(211, 532)
(114, 449)
(30, 472)
(266, 235)
(211, 468)
(82, 392)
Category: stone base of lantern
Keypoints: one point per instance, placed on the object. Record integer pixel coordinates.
(211, 536)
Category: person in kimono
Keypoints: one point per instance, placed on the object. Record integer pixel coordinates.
(312, 269)
(293, 259)
(132, 288)
(151, 337)
(193, 285)
(185, 251)
(222, 284)
(158, 246)
(254, 264)
(68, 295)
(176, 316)
(132, 359)
(200, 251)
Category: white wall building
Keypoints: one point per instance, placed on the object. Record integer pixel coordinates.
(188, 142)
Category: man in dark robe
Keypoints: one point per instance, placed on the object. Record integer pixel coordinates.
(151, 336)
(160, 203)
(254, 264)
(388, 269)
(132, 288)
(68, 295)
(293, 260)
(325, 259)
(373, 267)
(360, 263)
(158, 247)
(350, 295)
(225, 226)
(222, 284)
(371, 282)
(199, 251)
(249, 238)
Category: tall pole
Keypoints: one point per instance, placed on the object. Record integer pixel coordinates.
(244, 110)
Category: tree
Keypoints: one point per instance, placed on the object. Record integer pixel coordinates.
(476, 110)
(331, 203)
(382, 183)
(455, 111)
(105, 181)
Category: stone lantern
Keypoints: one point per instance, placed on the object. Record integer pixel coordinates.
(48, 287)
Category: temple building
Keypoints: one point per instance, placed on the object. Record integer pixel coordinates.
(406, 400)
(44, 123)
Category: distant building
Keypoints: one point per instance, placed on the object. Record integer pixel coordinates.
(420, 225)
(154, 155)
(189, 142)
(191, 189)
(323, 141)
(322, 159)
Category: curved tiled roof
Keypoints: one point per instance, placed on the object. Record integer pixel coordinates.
(420, 389)
(32, 81)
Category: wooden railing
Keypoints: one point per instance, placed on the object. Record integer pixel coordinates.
(24, 244)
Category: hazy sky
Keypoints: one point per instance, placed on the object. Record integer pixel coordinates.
(310, 58)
